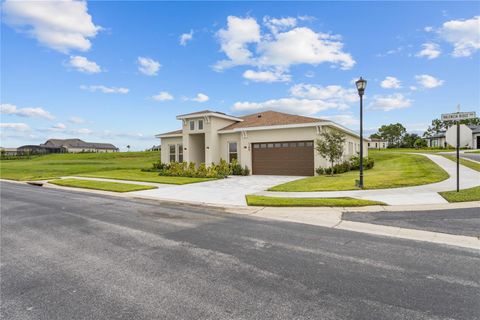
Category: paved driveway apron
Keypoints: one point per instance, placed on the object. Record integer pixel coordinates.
(230, 191)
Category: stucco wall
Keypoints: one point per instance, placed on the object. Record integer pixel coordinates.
(465, 136)
(165, 143)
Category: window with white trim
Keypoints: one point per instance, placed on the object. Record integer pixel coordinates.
(192, 125)
(232, 151)
(180, 153)
(200, 124)
(171, 152)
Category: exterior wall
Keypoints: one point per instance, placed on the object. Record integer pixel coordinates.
(377, 144)
(165, 151)
(465, 136)
(475, 145)
(223, 144)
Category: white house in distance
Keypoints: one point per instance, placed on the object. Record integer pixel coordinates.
(469, 137)
(377, 144)
(269, 143)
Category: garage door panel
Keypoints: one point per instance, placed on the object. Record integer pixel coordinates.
(283, 158)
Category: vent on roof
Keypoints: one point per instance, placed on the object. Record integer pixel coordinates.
(259, 116)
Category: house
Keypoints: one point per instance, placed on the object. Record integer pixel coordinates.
(270, 143)
(67, 146)
(377, 144)
(469, 137)
(8, 151)
(155, 148)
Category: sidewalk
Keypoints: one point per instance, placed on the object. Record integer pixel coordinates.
(424, 194)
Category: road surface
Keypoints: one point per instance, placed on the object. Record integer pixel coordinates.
(73, 255)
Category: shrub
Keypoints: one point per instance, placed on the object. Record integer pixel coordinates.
(345, 166)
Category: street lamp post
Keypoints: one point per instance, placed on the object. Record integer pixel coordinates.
(361, 85)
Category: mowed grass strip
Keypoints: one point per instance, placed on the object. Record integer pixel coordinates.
(465, 162)
(138, 175)
(100, 185)
(392, 170)
(69, 164)
(471, 194)
(265, 201)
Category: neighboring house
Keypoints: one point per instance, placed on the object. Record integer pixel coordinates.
(67, 146)
(270, 143)
(8, 151)
(377, 144)
(469, 137)
(154, 148)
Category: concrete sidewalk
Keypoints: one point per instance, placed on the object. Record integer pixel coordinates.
(424, 194)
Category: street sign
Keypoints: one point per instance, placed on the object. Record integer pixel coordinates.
(457, 116)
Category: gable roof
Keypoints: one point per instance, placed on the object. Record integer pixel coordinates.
(208, 113)
(76, 143)
(270, 118)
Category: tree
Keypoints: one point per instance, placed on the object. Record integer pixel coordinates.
(409, 139)
(393, 133)
(420, 143)
(375, 136)
(439, 125)
(128, 147)
(330, 146)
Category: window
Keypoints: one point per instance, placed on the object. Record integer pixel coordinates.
(301, 144)
(232, 151)
(180, 153)
(285, 145)
(263, 145)
(192, 125)
(270, 145)
(293, 144)
(309, 144)
(200, 124)
(256, 146)
(278, 145)
(350, 147)
(171, 152)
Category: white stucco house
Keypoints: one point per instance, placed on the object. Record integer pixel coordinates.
(469, 137)
(269, 143)
(377, 143)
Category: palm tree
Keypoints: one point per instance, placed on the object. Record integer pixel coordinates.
(128, 147)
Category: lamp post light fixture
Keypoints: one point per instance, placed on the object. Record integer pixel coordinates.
(361, 85)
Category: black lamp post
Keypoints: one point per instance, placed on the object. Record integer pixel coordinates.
(361, 85)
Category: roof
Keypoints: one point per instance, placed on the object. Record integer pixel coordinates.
(76, 143)
(209, 113)
(170, 133)
(440, 134)
(270, 118)
(475, 128)
(377, 140)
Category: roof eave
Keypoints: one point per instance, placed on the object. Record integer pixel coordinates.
(208, 114)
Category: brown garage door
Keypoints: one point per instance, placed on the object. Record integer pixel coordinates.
(290, 158)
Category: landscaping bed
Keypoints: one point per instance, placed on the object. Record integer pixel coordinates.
(391, 170)
(264, 201)
(471, 194)
(100, 185)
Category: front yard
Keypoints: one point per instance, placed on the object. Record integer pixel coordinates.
(471, 194)
(392, 170)
(100, 185)
(264, 201)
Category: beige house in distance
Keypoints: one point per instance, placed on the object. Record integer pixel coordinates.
(269, 142)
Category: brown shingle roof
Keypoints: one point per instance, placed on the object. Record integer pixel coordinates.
(171, 132)
(270, 118)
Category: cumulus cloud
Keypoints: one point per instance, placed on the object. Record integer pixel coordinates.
(390, 102)
(148, 66)
(60, 25)
(343, 119)
(15, 126)
(59, 127)
(266, 76)
(289, 105)
(76, 120)
(105, 89)
(162, 96)
(464, 35)
(201, 98)
(428, 81)
(6, 108)
(278, 46)
(333, 95)
(82, 64)
(186, 37)
(390, 83)
(429, 50)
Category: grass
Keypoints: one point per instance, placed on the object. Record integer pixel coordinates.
(472, 194)
(477, 151)
(392, 170)
(100, 185)
(411, 150)
(263, 201)
(137, 175)
(67, 164)
(465, 162)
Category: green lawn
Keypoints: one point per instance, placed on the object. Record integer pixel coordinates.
(137, 175)
(472, 194)
(392, 170)
(100, 185)
(467, 163)
(58, 165)
(476, 151)
(411, 150)
(263, 201)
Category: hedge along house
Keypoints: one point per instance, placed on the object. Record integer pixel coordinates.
(269, 143)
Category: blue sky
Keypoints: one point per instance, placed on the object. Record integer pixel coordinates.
(121, 71)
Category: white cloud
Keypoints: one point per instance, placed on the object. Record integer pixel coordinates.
(186, 37)
(105, 89)
(428, 29)
(266, 76)
(82, 64)
(332, 95)
(309, 74)
(148, 66)
(85, 131)
(162, 96)
(59, 127)
(464, 35)
(11, 109)
(289, 105)
(15, 126)
(201, 98)
(390, 102)
(60, 25)
(429, 50)
(428, 81)
(280, 46)
(343, 119)
(76, 120)
(390, 83)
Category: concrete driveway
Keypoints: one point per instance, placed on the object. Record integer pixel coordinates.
(230, 191)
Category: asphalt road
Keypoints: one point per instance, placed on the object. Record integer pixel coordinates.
(455, 221)
(72, 255)
(472, 156)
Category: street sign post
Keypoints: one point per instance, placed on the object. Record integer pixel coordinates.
(458, 116)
